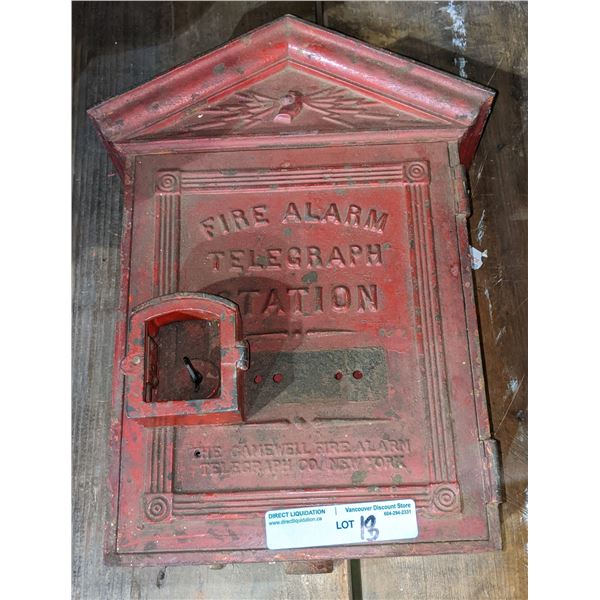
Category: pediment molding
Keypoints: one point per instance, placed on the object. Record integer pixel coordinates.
(378, 90)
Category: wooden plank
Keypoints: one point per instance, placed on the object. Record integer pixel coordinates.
(487, 42)
(117, 46)
(238, 581)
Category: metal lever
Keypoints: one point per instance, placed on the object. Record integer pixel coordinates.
(195, 375)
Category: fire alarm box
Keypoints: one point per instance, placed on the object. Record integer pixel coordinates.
(297, 336)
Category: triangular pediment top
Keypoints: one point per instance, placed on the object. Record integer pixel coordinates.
(286, 101)
(345, 85)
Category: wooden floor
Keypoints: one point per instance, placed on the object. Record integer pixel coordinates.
(118, 45)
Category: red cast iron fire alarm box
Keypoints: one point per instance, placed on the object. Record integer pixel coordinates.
(297, 327)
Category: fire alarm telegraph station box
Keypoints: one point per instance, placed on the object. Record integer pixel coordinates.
(297, 371)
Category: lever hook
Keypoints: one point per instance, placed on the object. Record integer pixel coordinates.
(195, 375)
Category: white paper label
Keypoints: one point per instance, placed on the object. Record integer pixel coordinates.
(341, 524)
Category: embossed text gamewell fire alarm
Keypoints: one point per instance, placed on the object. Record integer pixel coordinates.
(297, 372)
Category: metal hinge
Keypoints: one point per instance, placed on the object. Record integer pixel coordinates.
(463, 198)
(492, 475)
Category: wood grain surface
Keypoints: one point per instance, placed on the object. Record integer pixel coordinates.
(119, 45)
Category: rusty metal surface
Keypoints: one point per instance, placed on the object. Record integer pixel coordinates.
(162, 332)
(316, 183)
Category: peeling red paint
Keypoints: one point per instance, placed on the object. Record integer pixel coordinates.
(309, 187)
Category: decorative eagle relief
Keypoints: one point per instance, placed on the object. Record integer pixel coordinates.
(290, 101)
